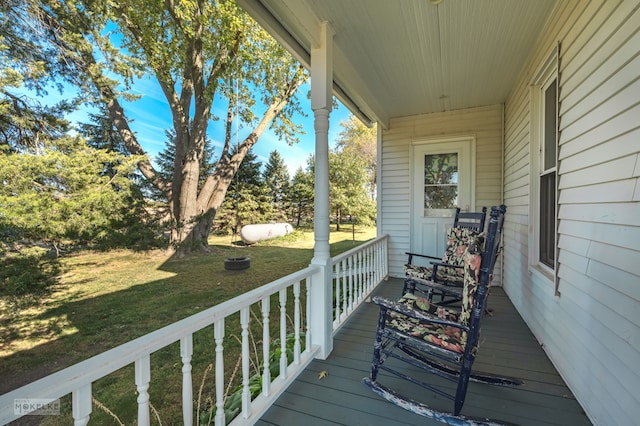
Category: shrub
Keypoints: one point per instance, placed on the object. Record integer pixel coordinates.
(30, 271)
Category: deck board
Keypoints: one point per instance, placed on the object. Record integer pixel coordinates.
(509, 348)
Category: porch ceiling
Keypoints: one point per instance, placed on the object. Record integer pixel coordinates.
(408, 57)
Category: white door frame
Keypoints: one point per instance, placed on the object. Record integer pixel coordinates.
(465, 146)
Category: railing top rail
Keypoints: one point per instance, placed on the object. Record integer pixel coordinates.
(66, 381)
(361, 247)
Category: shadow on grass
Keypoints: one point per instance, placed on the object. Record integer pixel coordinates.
(83, 328)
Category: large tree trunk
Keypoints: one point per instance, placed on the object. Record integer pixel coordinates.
(197, 239)
(189, 90)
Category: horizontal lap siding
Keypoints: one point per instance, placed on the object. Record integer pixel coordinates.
(592, 330)
(484, 124)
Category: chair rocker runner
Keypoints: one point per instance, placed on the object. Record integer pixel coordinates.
(446, 271)
(415, 333)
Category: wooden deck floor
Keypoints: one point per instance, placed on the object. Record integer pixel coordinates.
(509, 348)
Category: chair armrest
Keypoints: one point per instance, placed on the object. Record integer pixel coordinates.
(420, 255)
(448, 265)
(434, 270)
(448, 289)
(422, 316)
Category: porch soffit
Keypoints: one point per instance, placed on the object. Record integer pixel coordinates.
(402, 58)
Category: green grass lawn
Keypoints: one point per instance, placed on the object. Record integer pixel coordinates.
(106, 299)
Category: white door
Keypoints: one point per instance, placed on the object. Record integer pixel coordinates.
(443, 175)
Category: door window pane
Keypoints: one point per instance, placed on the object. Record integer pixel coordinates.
(441, 181)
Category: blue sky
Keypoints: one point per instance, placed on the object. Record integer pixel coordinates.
(151, 116)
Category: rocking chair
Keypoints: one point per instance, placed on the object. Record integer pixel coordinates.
(446, 271)
(436, 339)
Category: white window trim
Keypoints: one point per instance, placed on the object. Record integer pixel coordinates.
(546, 73)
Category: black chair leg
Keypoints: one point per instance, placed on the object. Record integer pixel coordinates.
(377, 345)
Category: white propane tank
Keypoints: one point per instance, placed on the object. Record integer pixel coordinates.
(254, 233)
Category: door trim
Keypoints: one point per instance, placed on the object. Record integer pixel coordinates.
(440, 143)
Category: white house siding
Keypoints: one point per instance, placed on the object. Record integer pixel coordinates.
(591, 330)
(485, 124)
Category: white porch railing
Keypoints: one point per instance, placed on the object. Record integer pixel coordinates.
(356, 273)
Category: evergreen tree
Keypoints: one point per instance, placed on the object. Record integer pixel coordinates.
(63, 195)
(196, 50)
(166, 163)
(25, 124)
(300, 196)
(249, 200)
(100, 133)
(55, 188)
(276, 177)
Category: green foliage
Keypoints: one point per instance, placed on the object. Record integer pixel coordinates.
(233, 403)
(31, 271)
(276, 178)
(348, 182)
(195, 50)
(101, 133)
(347, 188)
(300, 196)
(97, 305)
(358, 140)
(24, 122)
(248, 201)
(166, 163)
(66, 194)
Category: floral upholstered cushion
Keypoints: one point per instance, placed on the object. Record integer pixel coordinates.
(445, 336)
(422, 304)
(457, 241)
(472, 260)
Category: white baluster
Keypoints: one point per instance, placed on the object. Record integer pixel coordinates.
(266, 338)
(307, 332)
(371, 267)
(296, 322)
(364, 272)
(246, 393)
(345, 295)
(380, 247)
(81, 403)
(378, 258)
(356, 279)
(352, 296)
(283, 333)
(337, 314)
(385, 253)
(218, 336)
(143, 377)
(360, 272)
(186, 352)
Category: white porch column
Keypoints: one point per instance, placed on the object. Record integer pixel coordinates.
(321, 99)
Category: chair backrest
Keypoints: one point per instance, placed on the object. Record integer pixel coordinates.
(471, 220)
(479, 260)
(458, 239)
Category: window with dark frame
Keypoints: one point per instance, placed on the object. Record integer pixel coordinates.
(548, 169)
